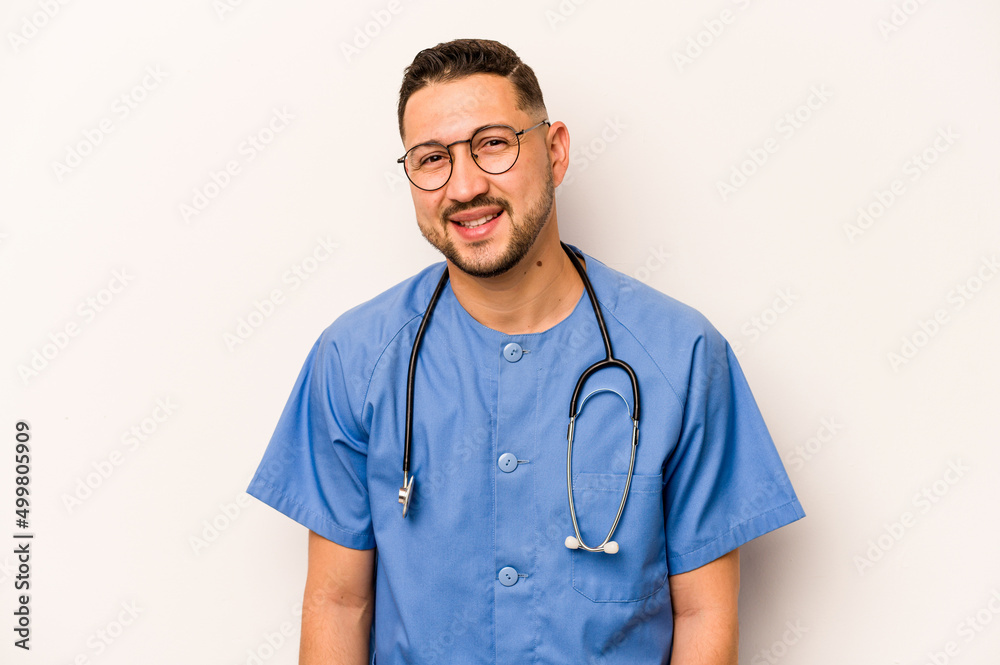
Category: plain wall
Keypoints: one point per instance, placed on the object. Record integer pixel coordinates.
(820, 179)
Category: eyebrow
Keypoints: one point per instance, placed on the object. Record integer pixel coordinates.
(437, 140)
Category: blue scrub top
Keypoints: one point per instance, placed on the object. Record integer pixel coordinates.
(477, 572)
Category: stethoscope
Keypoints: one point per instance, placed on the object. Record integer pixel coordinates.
(572, 542)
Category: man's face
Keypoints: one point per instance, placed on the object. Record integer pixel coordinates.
(484, 224)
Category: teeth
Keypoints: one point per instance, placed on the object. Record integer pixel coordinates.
(479, 222)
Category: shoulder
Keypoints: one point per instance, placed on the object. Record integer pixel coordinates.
(683, 345)
(652, 317)
(376, 321)
(360, 336)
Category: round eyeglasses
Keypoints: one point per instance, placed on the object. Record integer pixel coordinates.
(494, 149)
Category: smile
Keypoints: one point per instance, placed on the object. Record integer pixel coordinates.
(473, 223)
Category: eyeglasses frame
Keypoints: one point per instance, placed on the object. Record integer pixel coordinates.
(451, 158)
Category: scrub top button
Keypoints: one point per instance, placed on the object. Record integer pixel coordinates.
(507, 462)
(508, 576)
(512, 352)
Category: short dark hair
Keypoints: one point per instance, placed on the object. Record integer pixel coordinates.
(459, 58)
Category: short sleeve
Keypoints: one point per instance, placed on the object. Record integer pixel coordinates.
(725, 483)
(315, 467)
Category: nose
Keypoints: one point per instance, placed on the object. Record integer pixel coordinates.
(467, 180)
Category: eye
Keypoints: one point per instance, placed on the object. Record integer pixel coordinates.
(492, 143)
(428, 157)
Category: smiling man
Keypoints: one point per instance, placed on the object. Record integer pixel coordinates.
(540, 519)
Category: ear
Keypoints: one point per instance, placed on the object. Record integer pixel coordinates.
(558, 144)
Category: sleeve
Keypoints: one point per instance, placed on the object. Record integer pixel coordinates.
(725, 483)
(315, 467)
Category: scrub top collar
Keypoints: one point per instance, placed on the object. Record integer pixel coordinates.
(600, 278)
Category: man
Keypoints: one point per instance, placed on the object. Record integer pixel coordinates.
(482, 563)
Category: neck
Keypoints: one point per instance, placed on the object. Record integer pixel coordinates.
(535, 295)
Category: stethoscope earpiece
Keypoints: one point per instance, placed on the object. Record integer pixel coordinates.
(610, 547)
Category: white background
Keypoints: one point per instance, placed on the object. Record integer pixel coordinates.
(874, 574)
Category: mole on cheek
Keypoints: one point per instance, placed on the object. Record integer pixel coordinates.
(539, 264)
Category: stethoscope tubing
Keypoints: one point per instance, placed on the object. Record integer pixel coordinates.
(609, 361)
(410, 374)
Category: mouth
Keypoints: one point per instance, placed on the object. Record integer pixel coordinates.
(479, 221)
(477, 224)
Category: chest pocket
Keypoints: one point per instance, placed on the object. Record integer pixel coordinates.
(639, 568)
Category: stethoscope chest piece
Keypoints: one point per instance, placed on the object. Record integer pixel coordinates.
(405, 492)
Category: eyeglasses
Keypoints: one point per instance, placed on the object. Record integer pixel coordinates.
(495, 149)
